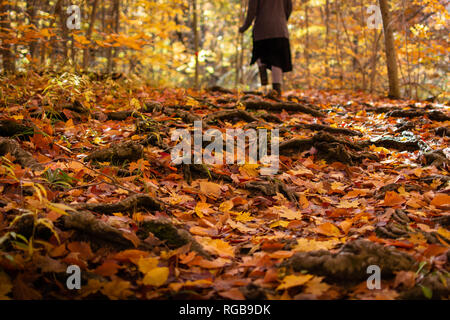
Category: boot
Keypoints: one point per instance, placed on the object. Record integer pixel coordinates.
(263, 76)
(277, 87)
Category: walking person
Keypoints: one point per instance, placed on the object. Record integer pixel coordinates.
(271, 47)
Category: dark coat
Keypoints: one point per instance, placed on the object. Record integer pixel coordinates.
(270, 17)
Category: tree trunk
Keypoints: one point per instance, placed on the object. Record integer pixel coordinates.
(6, 50)
(196, 42)
(86, 52)
(32, 7)
(391, 56)
(308, 72)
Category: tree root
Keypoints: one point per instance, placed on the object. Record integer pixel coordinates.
(351, 262)
(11, 128)
(232, 115)
(220, 90)
(404, 126)
(320, 127)
(128, 151)
(86, 223)
(174, 237)
(280, 106)
(24, 158)
(439, 285)
(432, 178)
(122, 115)
(394, 187)
(443, 131)
(436, 158)
(133, 203)
(271, 188)
(406, 142)
(199, 171)
(328, 147)
(433, 115)
(397, 227)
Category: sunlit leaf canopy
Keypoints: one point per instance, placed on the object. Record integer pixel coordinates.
(332, 44)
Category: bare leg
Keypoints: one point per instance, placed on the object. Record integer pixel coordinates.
(262, 73)
(277, 75)
(277, 78)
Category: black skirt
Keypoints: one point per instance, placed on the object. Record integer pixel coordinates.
(273, 52)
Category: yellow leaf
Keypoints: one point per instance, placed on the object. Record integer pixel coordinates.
(244, 217)
(294, 281)
(444, 232)
(226, 206)
(287, 213)
(117, 289)
(210, 188)
(316, 286)
(249, 170)
(306, 245)
(156, 277)
(201, 208)
(217, 246)
(279, 223)
(328, 229)
(147, 264)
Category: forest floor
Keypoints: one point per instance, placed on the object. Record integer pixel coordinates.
(86, 179)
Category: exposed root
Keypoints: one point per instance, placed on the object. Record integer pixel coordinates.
(439, 285)
(394, 187)
(433, 115)
(436, 158)
(11, 128)
(351, 262)
(85, 222)
(320, 127)
(24, 158)
(406, 142)
(404, 126)
(130, 204)
(443, 131)
(220, 90)
(200, 171)
(397, 227)
(121, 115)
(232, 115)
(174, 237)
(280, 106)
(271, 188)
(436, 177)
(128, 151)
(328, 147)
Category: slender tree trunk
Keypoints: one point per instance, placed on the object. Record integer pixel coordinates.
(308, 72)
(327, 37)
(391, 56)
(376, 41)
(115, 12)
(6, 50)
(31, 9)
(86, 52)
(239, 47)
(196, 43)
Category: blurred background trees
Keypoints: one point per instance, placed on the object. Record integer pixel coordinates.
(175, 42)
